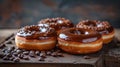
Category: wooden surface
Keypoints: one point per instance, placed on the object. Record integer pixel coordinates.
(109, 60)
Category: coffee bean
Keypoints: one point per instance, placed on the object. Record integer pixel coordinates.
(58, 51)
(43, 55)
(54, 54)
(8, 55)
(60, 54)
(5, 58)
(20, 56)
(9, 42)
(2, 46)
(19, 51)
(16, 59)
(32, 54)
(86, 57)
(15, 54)
(43, 52)
(13, 47)
(48, 53)
(10, 49)
(26, 58)
(13, 39)
(26, 52)
(41, 59)
(37, 53)
(52, 50)
(11, 58)
(3, 50)
(2, 55)
(32, 51)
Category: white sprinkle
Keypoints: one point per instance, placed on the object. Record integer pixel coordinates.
(46, 25)
(62, 36)
(43, 29)
(86, 33)
(60, 21)
(99, 25)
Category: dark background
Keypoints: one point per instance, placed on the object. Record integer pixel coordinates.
(18, 13)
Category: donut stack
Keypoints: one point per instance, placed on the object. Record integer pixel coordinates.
(85, 37)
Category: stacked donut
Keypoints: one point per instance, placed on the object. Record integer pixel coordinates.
(86, 37)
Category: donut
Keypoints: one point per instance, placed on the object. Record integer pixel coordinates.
(36, 37)
(57, 23)
(103, 27)
(79, 41)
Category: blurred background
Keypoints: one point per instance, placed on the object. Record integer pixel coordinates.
(18, 13)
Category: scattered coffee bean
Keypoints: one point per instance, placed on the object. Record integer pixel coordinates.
(43, 52)
(54, 54)
(18, 51)
(41, 59)
(37, 53)
(13, 38)
(43, 55)
(5, 58)
(10, 49)
(86, 57)
(48, 52)
(13, 47)
(32, 54)
(26, 52)
(2, 55)
(20, 56)
(9, 42)
(8, 54)
(60, 54)
(3, 50)
(11, 58)
(58, 51)
(15, 54)
(26, 58)
(52, 50)
(16, 59)
(2, 46)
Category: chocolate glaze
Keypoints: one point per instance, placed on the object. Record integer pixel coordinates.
(79, 35)
(56, 23)
(36, 32)
(102, 27)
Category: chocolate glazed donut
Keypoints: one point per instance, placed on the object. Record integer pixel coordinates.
(80, 41)
(104, 28)
(36, 38)
(57, 23)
